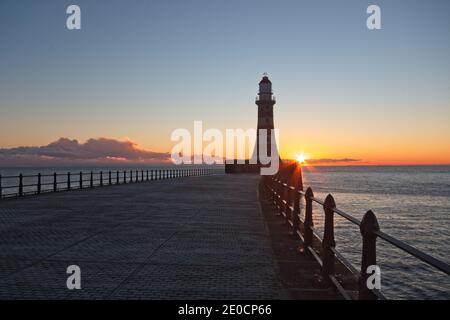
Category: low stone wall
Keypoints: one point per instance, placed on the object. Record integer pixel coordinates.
(242, 167)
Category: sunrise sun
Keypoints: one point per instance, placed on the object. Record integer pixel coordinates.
(300, 158)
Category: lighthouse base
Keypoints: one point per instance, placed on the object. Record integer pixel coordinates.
(246, 167)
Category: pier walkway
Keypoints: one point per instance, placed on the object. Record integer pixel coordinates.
(185, 238)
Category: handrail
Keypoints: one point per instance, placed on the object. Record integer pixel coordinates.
(282, 193)
(80, 180)
(430, 260)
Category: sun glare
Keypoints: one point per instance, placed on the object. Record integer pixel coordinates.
(300, 158)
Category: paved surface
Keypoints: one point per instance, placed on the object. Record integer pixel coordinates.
(186, 238)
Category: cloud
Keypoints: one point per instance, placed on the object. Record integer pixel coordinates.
(67, 151)
(334, 161)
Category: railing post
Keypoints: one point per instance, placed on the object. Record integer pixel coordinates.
(270, 189)
(137, 176)
(368, 226)
(117, 177)
(81, 180)
(147, 175)
(1, 190)
(286, 203)
(55, 182)
(131, 176)
(309, 223)
(68, 180)
(296, 205)
(328, 242)
(279, 197)
(109, 178)
(275, 193)
(124, 176)
(101, 178)
(39, 184)
(91, 183)
(20, 185)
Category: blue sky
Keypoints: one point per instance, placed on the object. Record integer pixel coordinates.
(140, 69)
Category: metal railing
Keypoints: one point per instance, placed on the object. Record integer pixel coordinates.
(22, 185)
(285, 192)
(272, 98)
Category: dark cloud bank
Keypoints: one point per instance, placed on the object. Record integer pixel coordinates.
(344, 160)
(70, 152)
(101, 151)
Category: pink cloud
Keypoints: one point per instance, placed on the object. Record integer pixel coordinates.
(93, 151)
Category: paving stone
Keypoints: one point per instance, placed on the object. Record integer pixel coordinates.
(197, 237)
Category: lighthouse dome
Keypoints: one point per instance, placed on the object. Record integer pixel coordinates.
(265, 79)
(265, 85)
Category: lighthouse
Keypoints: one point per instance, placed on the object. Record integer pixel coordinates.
(265, 159)
(265, 101)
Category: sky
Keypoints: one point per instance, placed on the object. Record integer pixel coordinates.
(137, 70)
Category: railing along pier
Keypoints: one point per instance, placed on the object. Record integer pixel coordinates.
(285, 192)
(22, 185)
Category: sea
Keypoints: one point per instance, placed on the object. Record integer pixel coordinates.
(412, 204)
